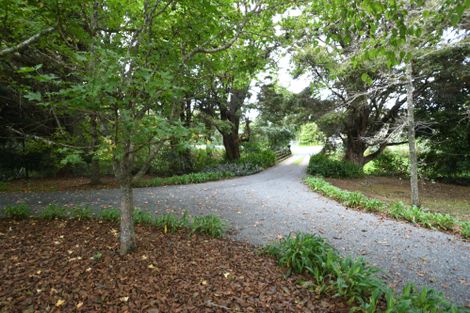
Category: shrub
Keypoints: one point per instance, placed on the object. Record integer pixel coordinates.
(171, 222)
(210, 225)
(235, 169)
(192, 178)
(351, 279)
(388, 164)
(19, 211)
(3, 186)
(143, 217)
(310, 135)
(53, 211)
(110, 214)
(465, 229)
(263, 159)
(322, 165)
(81, 213)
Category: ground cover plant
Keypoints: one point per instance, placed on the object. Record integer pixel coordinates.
(397, 210)
(351, 279)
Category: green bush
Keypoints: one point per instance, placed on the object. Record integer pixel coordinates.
(322, 165)
(19, 211)
(192, 178)
(350, 279)
(3, 186)
(210, 225)
(235, 169)
(171, 222)
(310, 135)
(110, 214)
(81, 213)
(263, 159)
(465, 229)
(389, 163)
(142, 217)
(53, 211)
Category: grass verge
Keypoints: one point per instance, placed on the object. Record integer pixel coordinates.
(396, 210)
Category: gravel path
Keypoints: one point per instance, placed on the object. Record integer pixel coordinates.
(263, 207)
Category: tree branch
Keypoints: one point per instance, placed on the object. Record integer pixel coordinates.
(26, 42)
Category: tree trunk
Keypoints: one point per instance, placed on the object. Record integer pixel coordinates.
(127, 235)
(355, 149)
(411, 121)
(411, 137)
(232, 145)
(95, 163)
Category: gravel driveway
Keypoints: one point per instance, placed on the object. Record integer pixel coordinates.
(263, 207)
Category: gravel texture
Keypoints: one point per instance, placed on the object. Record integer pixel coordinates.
(266, 206)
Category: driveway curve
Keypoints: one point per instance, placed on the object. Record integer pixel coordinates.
(266, 206)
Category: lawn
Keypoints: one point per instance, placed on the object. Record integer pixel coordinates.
(437, 197)
(71, 265)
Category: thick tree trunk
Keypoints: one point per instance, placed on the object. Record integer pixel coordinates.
(232, 145)
(355, 149)
(127, 235)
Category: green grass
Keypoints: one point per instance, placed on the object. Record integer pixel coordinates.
(351, 279)
(210, 225)
(19, 211)
(81, 213)
(110, 214)
(397, 210)
(53, 211)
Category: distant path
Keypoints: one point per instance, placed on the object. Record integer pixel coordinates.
(265, 206)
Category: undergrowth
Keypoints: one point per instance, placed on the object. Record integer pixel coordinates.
(350, 278)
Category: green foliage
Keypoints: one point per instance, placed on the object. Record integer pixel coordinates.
(81, 213)
(171, 222)
(210, 225)
(416, 301)
(273, 137)
(389, 163)
(110, 214)
(310, 135)
(465, 229)
(3, 186)
(143, 217)
(350, 279)
(323, 165)
(192, 178)
(397, 210)
(236, 169)
(19, 211)
(53, 211)
(263, 159)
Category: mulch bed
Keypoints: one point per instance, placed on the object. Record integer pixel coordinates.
(66, 265)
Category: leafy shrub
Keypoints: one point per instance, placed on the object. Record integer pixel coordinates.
(192, 178)
(389, 163)
(110, 214)
(322, 165)
(235, 169)
(465, 229)
(263, 159)
(351, 279)
(53, 211)
(413, 300)
(142, 217)
(81, 213)
(310, 135)
(273, 137)
(210, 225)
(19, 211)
(171, 222)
